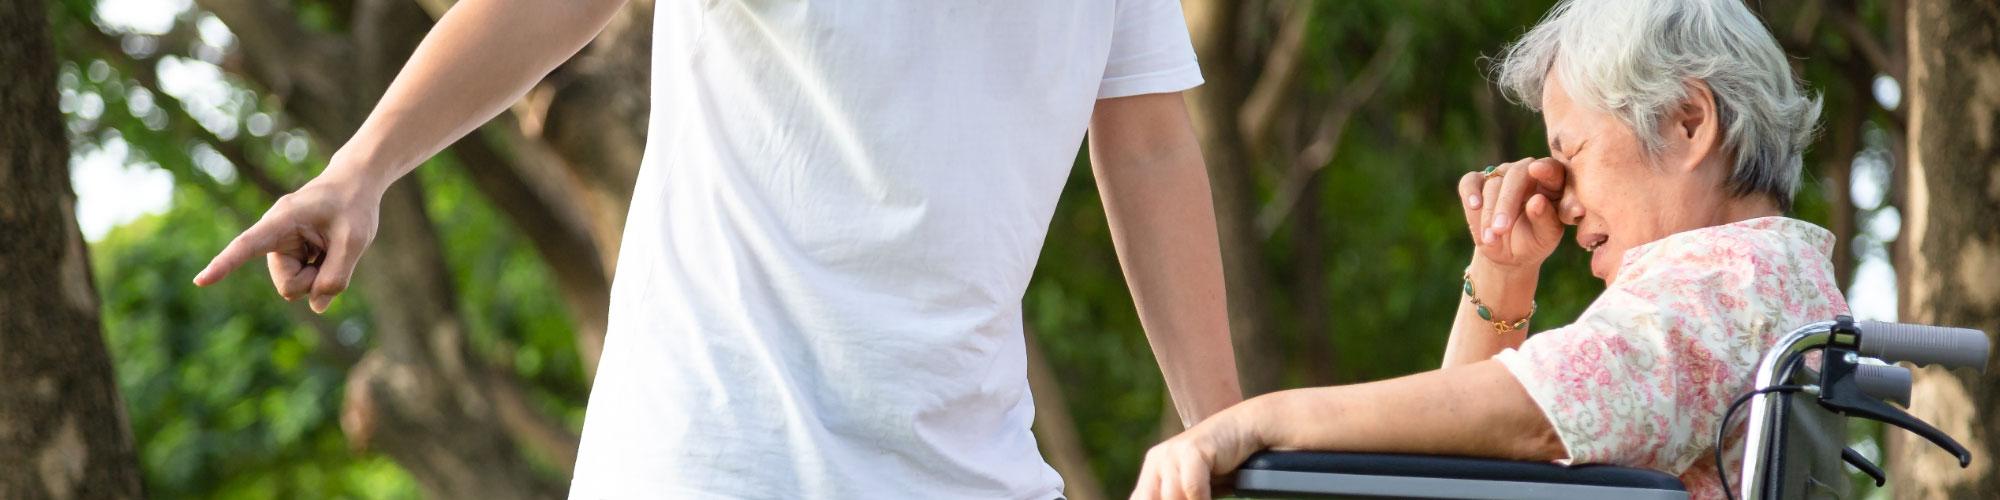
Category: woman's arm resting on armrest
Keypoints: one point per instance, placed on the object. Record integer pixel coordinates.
(1475, 410)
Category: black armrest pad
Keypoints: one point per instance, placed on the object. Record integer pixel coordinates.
(1382, 464)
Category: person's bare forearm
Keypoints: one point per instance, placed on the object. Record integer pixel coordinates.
(482, 56)
(1155, 188)
(1473, 410)
(1507, 295)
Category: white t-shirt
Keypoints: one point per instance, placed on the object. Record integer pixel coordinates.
(818, 294)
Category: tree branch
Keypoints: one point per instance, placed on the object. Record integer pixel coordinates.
(554, 228)
(1279, 78)
(528, 425)
(1333, 124)
(292, 62)
(1864, 41)
(145, 71)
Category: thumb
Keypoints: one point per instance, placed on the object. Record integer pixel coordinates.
(1542, 218)
(336, 271)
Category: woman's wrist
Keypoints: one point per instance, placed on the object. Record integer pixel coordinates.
(1264, 418)
(1508, 292)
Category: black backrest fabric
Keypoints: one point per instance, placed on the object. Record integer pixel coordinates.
(1383, 464)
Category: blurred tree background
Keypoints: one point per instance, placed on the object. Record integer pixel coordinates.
(1334, 130)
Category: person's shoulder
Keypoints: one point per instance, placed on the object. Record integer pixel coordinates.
(1743, 250)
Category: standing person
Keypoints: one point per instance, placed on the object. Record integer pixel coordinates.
(841, 202)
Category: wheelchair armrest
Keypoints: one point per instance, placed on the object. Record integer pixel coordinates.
(1377, 475)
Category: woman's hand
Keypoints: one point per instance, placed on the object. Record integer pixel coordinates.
(1511, 212)
(311, 238)
(1184, 466)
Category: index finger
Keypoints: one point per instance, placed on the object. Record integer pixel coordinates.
(1149, 480)
(1514, 190)
(253, 242)
(1549, 175)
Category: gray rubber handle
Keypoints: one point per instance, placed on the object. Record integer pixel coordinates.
(1885, 382)
(1924, 344)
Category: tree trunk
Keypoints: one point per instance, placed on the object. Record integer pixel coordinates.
(419, 396)
(1842, 141)
(63, 431)
(1952, 240)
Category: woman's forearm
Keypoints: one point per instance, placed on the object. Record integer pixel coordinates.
(1509, 295)
(480, 57)
(1474, 410)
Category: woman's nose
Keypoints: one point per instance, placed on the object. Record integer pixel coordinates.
(1570, 210)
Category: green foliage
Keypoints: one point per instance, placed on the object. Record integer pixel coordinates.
(233, 393)
(513, 314)
(228, 393)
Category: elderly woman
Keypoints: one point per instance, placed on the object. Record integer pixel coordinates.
(1675, 130)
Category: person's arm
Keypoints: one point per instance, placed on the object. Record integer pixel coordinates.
(1155, 188)
(1507, 293)
(1507, 260)
(1475, 410)
(480, 57)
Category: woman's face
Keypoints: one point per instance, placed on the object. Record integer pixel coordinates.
(1615, 197)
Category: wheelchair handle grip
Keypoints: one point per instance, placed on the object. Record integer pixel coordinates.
(1924, 344)
(1885, 382)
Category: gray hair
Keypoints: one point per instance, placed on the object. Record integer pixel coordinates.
(1636, 58)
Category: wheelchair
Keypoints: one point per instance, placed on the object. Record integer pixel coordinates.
(1794, 448)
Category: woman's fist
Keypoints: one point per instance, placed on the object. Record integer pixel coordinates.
(1511, 211)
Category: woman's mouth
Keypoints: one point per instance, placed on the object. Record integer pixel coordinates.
(1591, 242)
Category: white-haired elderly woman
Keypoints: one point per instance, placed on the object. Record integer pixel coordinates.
(1675, 130)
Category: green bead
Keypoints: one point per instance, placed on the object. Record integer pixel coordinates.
(1485, 314)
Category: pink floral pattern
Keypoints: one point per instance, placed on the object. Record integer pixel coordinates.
(1644, 374)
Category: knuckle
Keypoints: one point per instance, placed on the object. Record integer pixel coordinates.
(283, 205)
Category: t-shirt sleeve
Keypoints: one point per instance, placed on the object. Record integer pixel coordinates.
(1643, 376)
(1150, 51)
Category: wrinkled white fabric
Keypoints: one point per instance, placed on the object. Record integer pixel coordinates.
(818, 294)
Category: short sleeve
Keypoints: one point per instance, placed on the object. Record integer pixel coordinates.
(1150, 51)
(1643, 376)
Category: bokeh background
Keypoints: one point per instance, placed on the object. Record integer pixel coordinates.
(1334, 131)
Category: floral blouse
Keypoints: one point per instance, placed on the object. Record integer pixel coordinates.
(1642, 376)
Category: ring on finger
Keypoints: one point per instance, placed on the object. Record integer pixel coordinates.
(1491, 171)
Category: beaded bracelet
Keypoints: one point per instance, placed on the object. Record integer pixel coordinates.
(1503, 327)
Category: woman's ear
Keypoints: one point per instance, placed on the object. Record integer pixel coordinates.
(1696, 125)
